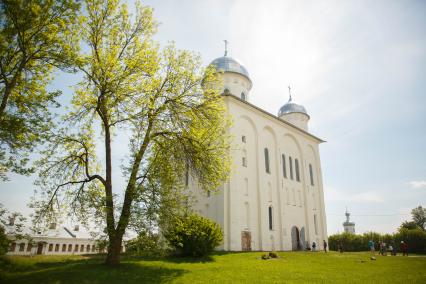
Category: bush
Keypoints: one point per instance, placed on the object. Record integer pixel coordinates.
(4, 241)
(265, 256)
(193, 235)
(416, 240)
(273, 255)
(146, 244)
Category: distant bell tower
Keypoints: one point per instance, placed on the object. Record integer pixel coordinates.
(348, 226)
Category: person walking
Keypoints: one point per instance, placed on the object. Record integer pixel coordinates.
(371, 246)
(314, 246)
(393, 249)
(324, 244)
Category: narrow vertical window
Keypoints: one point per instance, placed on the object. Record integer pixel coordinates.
(57, 247)
(267, 160)
(284, 166)
(64, 247)
(21, 246)
(243, 139)
(243, 96)
(244, 158)
(316, 224)
(311, 174)
(296, 164)
(290, 160)
(29, 247)
(270, 218)
(247, 217)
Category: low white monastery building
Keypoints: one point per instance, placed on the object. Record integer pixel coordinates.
(274, 199)
(56, 240)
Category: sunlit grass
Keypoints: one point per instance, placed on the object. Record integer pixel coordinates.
(291, 267)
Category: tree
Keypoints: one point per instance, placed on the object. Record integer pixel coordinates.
(419, 217)
(163, 100)
(35, 38)
(410, 225)
(11, 223)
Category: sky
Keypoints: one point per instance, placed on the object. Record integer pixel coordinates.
(359, 68)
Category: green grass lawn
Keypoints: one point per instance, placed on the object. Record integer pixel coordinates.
(291, 267)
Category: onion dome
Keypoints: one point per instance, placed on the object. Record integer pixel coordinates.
(292, 107)
(229, 64)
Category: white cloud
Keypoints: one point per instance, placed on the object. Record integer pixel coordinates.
(418, 183)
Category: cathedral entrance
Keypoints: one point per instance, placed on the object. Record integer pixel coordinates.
(302, 239)
(245, 241)
(295, 238)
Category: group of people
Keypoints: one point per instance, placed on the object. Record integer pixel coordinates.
(314, 246)
(392, 248)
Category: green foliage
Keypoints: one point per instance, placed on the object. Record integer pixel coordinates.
(419, 217)
(194, 235)
(146, 244)
(14, 223)
(410, 225)
(416, 240)
(4, 241)
(36, 37)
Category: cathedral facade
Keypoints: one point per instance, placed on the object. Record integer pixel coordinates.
(274, 198)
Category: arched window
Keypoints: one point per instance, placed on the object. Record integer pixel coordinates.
(12, 247)
(87, 248)
(270, 218)
(244, 159)
(70, 247)
(64, 247)
(290, 160)
(29, 247)
(296, 163)
(243, 96)
(267, 160)
(50, 247)
(57, 247)
(21, 246)
(226, 91)
(311, 174)
(284, 166)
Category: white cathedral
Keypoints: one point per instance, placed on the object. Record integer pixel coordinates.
(274, 199)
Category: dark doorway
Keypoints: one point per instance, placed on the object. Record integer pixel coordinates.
(295, 238)
(39, 248)
(302, 238)
(245, 241)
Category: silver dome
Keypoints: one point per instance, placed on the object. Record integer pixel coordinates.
(291, 107)
(229, 64)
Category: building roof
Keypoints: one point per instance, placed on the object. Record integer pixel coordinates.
(229, 64)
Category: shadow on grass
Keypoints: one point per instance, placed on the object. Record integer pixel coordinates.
(185, 259)
(90, 271)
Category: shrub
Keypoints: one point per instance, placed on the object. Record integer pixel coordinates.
(273, 255)
(265, 256)
(193, 235)
(146, 244)
(416, 240)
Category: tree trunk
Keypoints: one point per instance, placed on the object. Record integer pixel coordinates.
(114, 249)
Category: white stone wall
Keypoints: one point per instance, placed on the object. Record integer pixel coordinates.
(243, 203)
(49, 246)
